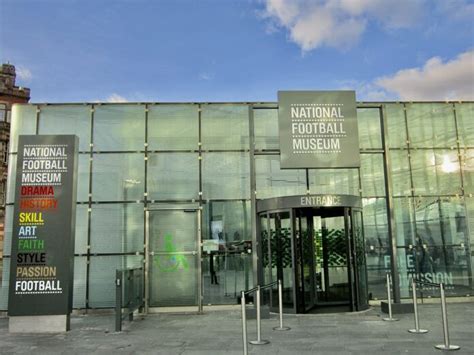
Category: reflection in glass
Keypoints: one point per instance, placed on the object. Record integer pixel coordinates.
(465, 121)
(334, 181)
(225, 127)
(117, 228)
(397, 135)
(431, 125)
(401, 180)
(226, 175)
(119, 128)
(467, 158)
(372, 176)
(118, 177)
(70, 119)
(435, 172)
(173, 127)
(23, 122)
(266, 129)
(173, 176)
(273, 181)
(368, 121)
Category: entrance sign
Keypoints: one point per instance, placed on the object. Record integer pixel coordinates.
(42, 263)
(318, 129)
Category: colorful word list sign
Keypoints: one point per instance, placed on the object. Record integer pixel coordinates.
(42, 264)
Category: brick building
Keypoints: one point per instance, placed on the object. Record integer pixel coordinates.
(9, 95)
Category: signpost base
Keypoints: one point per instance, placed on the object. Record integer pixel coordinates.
(39, 324)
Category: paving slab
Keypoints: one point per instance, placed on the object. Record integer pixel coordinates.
(220, 332)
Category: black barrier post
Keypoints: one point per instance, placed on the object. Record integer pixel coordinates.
(118, 301)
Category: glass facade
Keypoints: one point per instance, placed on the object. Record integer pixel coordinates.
(221, 158)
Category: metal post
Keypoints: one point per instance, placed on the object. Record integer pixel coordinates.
(259, 340)
(389, 301)
(280, 308)
(118, 301)
(244, 323)
(415, 311)
(444, 313)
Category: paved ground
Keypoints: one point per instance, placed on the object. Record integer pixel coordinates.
(219, 332)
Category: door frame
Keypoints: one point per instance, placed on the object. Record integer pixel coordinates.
(194, 207)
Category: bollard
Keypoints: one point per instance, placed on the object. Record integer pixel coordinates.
(415, 311)
(444, 313)
(389, 301)
(280, 308)
(259, 340)
(244, 323)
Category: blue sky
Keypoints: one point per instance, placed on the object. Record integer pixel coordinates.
(230, 50)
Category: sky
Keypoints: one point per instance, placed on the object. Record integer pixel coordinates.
(238, 50)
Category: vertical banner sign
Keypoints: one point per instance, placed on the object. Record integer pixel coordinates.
(318, 129)
(42, 264)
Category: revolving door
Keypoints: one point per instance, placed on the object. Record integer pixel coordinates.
(318, 253)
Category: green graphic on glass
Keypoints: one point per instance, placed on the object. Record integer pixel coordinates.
(173, 262)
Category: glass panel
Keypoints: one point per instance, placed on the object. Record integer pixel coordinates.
(331, 259)
(118, 177)
(368, 120)
(83, 172)
(273, 181)
(12, 178)
(67, 119)
(4, 283)
(226, 175)
(82, 218)
(404, 221)
(431, 125)
(371, 167)
(173, 232)
(80, 281)
(465, 121)
(173, 127)
(358, 237)
(378, 247)
(7, 237)
(266, 129)
(401, 180)
(281, 257)
(23, 122)
(332, 181)
(467, 158)
(397, 134)
(435, 172)
(173, 176)
(117, 228)
(102, 277)
(227, 253)
(225, 127)
(119, 128)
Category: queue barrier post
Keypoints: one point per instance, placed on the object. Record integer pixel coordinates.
(244, 323)
(446, 346)
(280, 308)
(417, 329)
(389, 300)
(259, 340)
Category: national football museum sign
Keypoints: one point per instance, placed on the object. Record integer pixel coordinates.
(318, 129)
(42, 266)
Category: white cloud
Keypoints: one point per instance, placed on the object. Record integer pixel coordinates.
(436, 80)
(459, 10)
(206, 76)
(115, 98)
(337, 23)
(23, 73)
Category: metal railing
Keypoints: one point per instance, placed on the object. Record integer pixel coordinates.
(258, 290)
(444, 314)
(129, 294)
